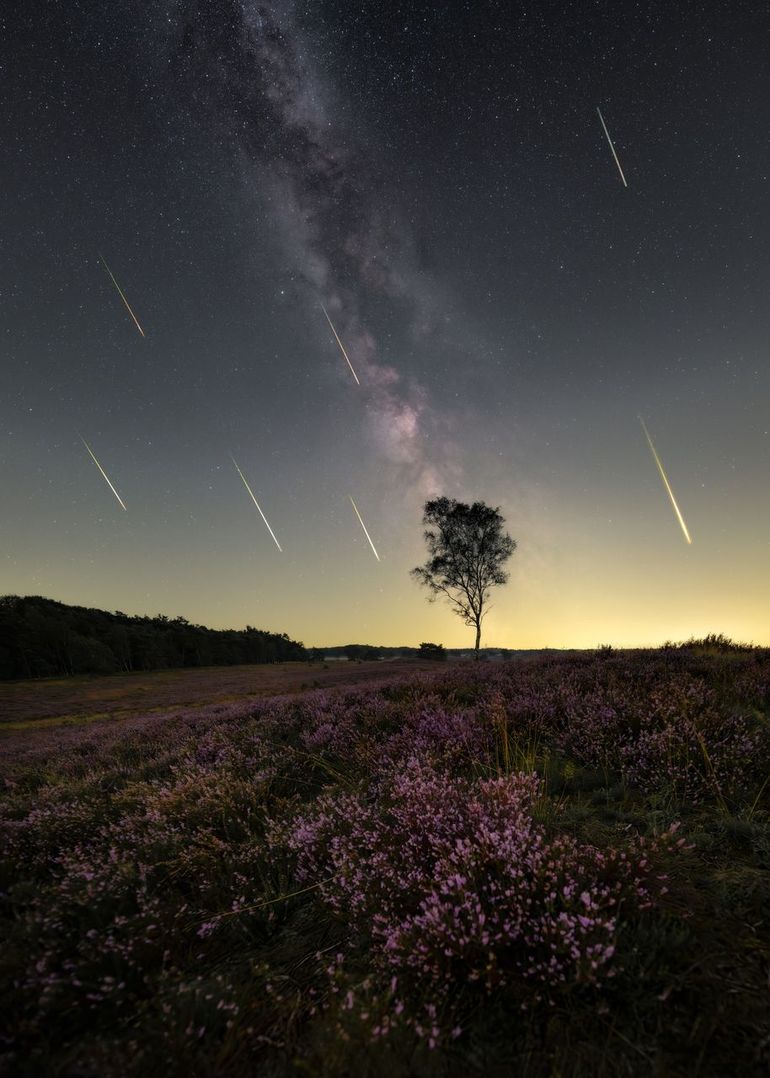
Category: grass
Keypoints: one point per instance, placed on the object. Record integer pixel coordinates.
(26, 704)
(167, 908)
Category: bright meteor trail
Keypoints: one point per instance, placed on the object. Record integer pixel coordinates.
(251, 492)
(666, 482)
(122, 296)
(620, 170)
(98, 465)
(339, 342)
(366, 533)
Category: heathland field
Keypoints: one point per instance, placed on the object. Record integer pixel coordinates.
(553, 867)
(79, 699)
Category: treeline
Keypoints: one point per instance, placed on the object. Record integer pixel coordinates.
(43, 638)
(424, 651)
(369, 652)
(365, 652)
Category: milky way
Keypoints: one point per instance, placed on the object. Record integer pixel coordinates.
(251, 61)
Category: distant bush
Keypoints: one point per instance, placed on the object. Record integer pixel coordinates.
(435, 652)
(715, 643)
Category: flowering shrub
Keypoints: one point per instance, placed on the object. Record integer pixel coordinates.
(456, 881)
(690, 746)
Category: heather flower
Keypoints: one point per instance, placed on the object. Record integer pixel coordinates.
(141, 855)
(454, 880)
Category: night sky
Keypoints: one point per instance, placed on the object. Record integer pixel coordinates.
(437, 176)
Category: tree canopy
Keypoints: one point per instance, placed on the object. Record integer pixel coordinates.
(43, 638)
(467, 549)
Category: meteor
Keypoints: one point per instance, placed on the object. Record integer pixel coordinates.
(98, 465)
(620, 170)
(366, 533)
(666, 483)
(251, 492)
(122, 296)
(339, 342)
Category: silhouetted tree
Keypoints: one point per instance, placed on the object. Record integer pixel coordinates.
(467, 549)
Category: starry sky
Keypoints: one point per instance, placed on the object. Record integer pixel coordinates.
(436, 176)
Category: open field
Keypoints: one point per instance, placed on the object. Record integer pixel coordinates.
(89, 698)
(559, 867)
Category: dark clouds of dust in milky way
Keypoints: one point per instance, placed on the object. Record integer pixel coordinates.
(248, 67)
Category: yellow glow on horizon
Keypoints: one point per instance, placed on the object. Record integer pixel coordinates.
(578, 578)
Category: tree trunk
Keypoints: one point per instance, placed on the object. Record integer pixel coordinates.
(478, 638)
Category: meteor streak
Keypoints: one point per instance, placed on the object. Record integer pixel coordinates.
(666, 483)
(620, 170)
(366, 533)
(98, 465)
(122, 296)
(251, 492)
(339, 342)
